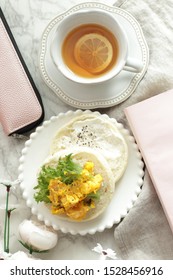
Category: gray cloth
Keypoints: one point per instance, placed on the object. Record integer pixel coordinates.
(145, 233)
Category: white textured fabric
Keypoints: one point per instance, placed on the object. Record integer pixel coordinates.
(145, 233)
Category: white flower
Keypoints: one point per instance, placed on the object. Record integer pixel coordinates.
(10, 183)
(37, 235)
(109, 253)
(20, 255)
(13, 186)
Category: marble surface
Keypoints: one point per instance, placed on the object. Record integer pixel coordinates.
(144, 233)
(27, 20)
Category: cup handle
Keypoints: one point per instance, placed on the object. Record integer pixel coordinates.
(133, 65)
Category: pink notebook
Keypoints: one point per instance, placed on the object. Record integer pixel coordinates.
(151, 122)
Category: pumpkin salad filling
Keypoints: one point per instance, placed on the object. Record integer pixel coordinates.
(70, 188)
(77, 198)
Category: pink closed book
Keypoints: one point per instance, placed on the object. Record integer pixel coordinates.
(151, 122)
(21, 107)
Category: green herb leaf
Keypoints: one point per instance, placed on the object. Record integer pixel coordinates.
(66, 170)
(45, 175)
(94, 196)
(69, 170)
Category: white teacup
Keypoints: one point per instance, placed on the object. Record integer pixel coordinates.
(99, 17)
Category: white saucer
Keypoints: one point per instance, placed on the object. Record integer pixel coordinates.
(107, 94)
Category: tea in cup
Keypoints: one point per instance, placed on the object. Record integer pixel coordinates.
(90, 46)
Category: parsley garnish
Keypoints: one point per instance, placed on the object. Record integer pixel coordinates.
(66, 170)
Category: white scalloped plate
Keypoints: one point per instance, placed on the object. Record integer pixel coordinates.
(126, 191)
(102, 95)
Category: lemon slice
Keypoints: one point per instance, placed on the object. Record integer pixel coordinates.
(93, 52)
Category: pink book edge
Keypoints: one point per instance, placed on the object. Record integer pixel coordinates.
(126, 111)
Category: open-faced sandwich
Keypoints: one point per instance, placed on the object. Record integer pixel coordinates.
(76, 184)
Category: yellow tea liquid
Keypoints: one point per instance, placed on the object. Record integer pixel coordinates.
(71, 40)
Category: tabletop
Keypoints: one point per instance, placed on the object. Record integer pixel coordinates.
(28, 20)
